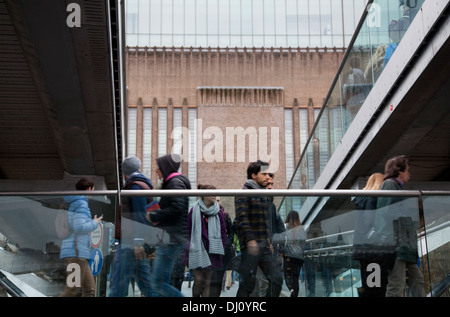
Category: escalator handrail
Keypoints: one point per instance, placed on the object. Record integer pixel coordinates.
(10, 287)
(441, 288)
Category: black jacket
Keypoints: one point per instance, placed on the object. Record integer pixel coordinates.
(172, 217)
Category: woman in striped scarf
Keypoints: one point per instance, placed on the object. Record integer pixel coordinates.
(207, 234)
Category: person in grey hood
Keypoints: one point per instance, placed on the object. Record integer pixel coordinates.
(172, 217)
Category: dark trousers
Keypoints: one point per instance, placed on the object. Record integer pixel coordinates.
(291, 270)
(248, 268)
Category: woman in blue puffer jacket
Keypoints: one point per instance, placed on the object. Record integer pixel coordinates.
(76, 248)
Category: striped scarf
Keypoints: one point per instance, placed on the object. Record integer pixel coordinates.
(198, 256)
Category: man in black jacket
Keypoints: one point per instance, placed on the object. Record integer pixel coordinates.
(172, 217)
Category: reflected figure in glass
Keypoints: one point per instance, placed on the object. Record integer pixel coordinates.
(395, 176)
(172, 218)
(363, 252)
(75, 249)
(132, 261)
(292, 244)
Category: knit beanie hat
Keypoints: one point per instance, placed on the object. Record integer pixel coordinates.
(130, 165)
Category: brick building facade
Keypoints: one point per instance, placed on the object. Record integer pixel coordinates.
(231, 105)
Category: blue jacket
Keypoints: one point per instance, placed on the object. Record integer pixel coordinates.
(80, 220)
(133, 208)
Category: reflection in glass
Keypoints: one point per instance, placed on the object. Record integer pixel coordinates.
(30, 243)
(337, 242)
(435, 241)
(381, 30)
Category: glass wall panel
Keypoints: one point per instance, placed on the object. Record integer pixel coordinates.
(326, 23)
(189, 22)
(348, 250)
(363, 63)
(435, 243)
(167, 18)
(132, 21)
(224, 21)
(213, 23)
(201, 20)
(343, 251)
(178, 18)
(246, 19)
(258, 19)
(243, 23)
(144, 26)
(349, 244)
(155, 21)
(35, 247)
(269, 22)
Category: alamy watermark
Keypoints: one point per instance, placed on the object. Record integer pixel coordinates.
(374, 15)
(74, 18)
(73, 275)
(230, 145)
(374, 278)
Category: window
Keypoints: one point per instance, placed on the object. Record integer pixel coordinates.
(147, 143)
(132, 131)
(162, 131)
(289, 144)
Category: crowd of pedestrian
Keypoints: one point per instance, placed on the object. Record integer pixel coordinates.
(204, 243)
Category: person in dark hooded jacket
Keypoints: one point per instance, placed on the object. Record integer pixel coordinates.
(172, 217)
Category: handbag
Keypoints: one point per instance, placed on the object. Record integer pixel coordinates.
(293, 250)
(293, 243)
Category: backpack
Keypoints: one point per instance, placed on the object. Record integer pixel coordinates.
(63, 230)
(144, 186)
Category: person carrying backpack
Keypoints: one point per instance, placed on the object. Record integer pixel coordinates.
(76, 248)
(131, 260)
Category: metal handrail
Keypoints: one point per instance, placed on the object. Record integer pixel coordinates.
(328, 249)
(10, 287)
(239, 192)
(441, 288)
(271, 193)
(62, 193)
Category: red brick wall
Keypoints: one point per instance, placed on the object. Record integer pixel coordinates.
(176, 73)
(171, 77)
